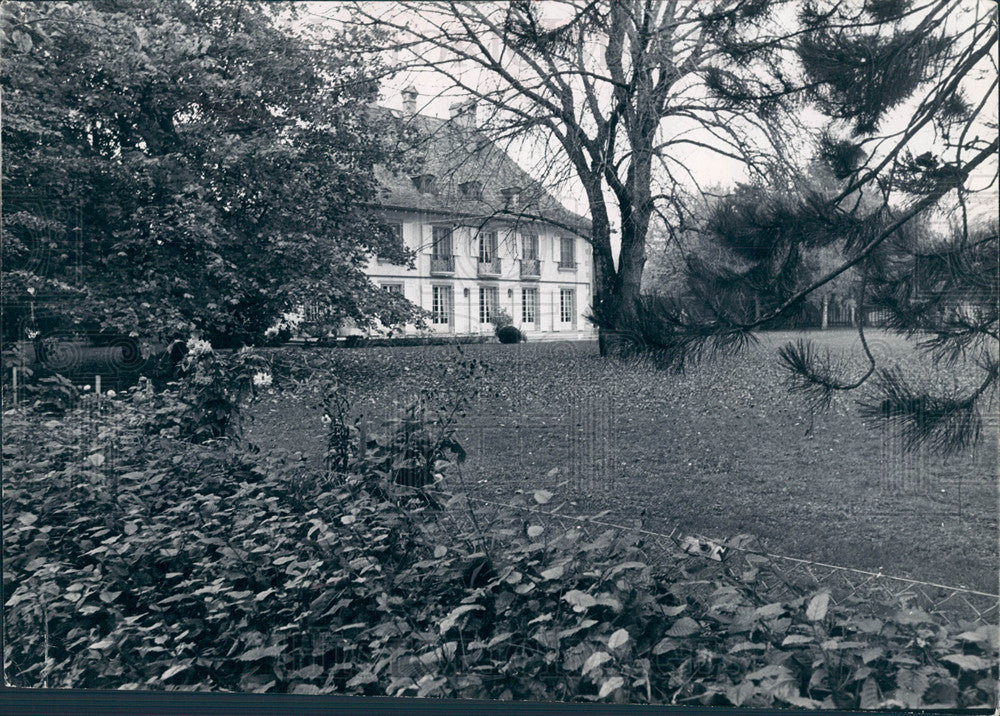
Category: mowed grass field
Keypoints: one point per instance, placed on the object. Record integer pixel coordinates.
(720, 450)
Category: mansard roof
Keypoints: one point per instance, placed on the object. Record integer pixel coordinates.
(454, 169)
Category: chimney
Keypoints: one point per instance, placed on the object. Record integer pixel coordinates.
(410, 101)
(463, 114)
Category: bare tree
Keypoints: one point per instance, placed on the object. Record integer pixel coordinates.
(624, 91)
(618, 89)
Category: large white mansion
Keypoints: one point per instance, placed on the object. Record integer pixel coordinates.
(487, 237)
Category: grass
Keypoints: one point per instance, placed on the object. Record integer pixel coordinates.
(721, 450)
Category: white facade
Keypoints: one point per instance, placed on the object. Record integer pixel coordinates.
(547, 297)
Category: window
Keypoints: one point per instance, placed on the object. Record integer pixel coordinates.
(567, 259)
(489, 299)
(487, 247)
(567, 305)
(529, 305)
(393, 288)
(441, 305)
(529, 247)
(471, 189)
(441, 248)
(396, 231)
(425, 183)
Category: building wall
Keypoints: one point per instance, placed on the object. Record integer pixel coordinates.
(465, 282)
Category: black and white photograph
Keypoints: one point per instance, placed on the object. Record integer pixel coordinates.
(590, 353)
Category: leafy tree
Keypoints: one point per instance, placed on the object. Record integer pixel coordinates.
(182, 166)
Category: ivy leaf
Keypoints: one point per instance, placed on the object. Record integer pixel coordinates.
(747, 646)
(738, 695)
(619, 638)
(449, 621)
(685, 626)
(610, 686)
(553, 573)
(770, 610)
(173, 671)
(595, 660)
(364, 677)
(968, 662)
(818, 606)
(793, 639)
(664, 645)
(869, 694)
(580, 601)
(262, 652)
(535, 530)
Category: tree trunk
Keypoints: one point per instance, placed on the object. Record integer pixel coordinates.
(825, 320)
(603, 266)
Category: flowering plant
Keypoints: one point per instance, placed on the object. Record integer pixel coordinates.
(211, 388)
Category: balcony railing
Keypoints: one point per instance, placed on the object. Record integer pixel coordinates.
(442, 264)
(530, 268)
(567, 265)
(489, 268)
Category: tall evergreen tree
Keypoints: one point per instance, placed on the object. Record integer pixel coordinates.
(877, 219)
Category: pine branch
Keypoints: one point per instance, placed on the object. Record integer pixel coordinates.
(946, 424)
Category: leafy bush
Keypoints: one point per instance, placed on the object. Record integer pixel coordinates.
(154, 562)
(509, 334)
(49, 395)
(204, 401)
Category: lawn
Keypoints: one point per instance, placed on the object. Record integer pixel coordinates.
(721, 450)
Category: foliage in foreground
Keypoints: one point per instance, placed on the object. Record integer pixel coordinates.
(134, 559)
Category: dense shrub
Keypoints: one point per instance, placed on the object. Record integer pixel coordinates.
(510, 334)
(135, 559)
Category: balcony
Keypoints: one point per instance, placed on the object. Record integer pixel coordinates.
(530, 268)
(442, 265)
(489, 268)
(567, 265)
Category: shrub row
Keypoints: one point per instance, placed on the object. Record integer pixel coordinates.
(136, 559)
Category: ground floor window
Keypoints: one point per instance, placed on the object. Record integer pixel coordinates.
(567, 305)
(442, 300)
(489, 299)
(529, 305)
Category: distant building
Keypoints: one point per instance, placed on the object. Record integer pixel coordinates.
(486, 235)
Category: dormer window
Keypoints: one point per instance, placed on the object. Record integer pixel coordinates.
(471, 189)
(425, 183)
(510, 194)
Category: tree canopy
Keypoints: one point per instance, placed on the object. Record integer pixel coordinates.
(184, 166)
